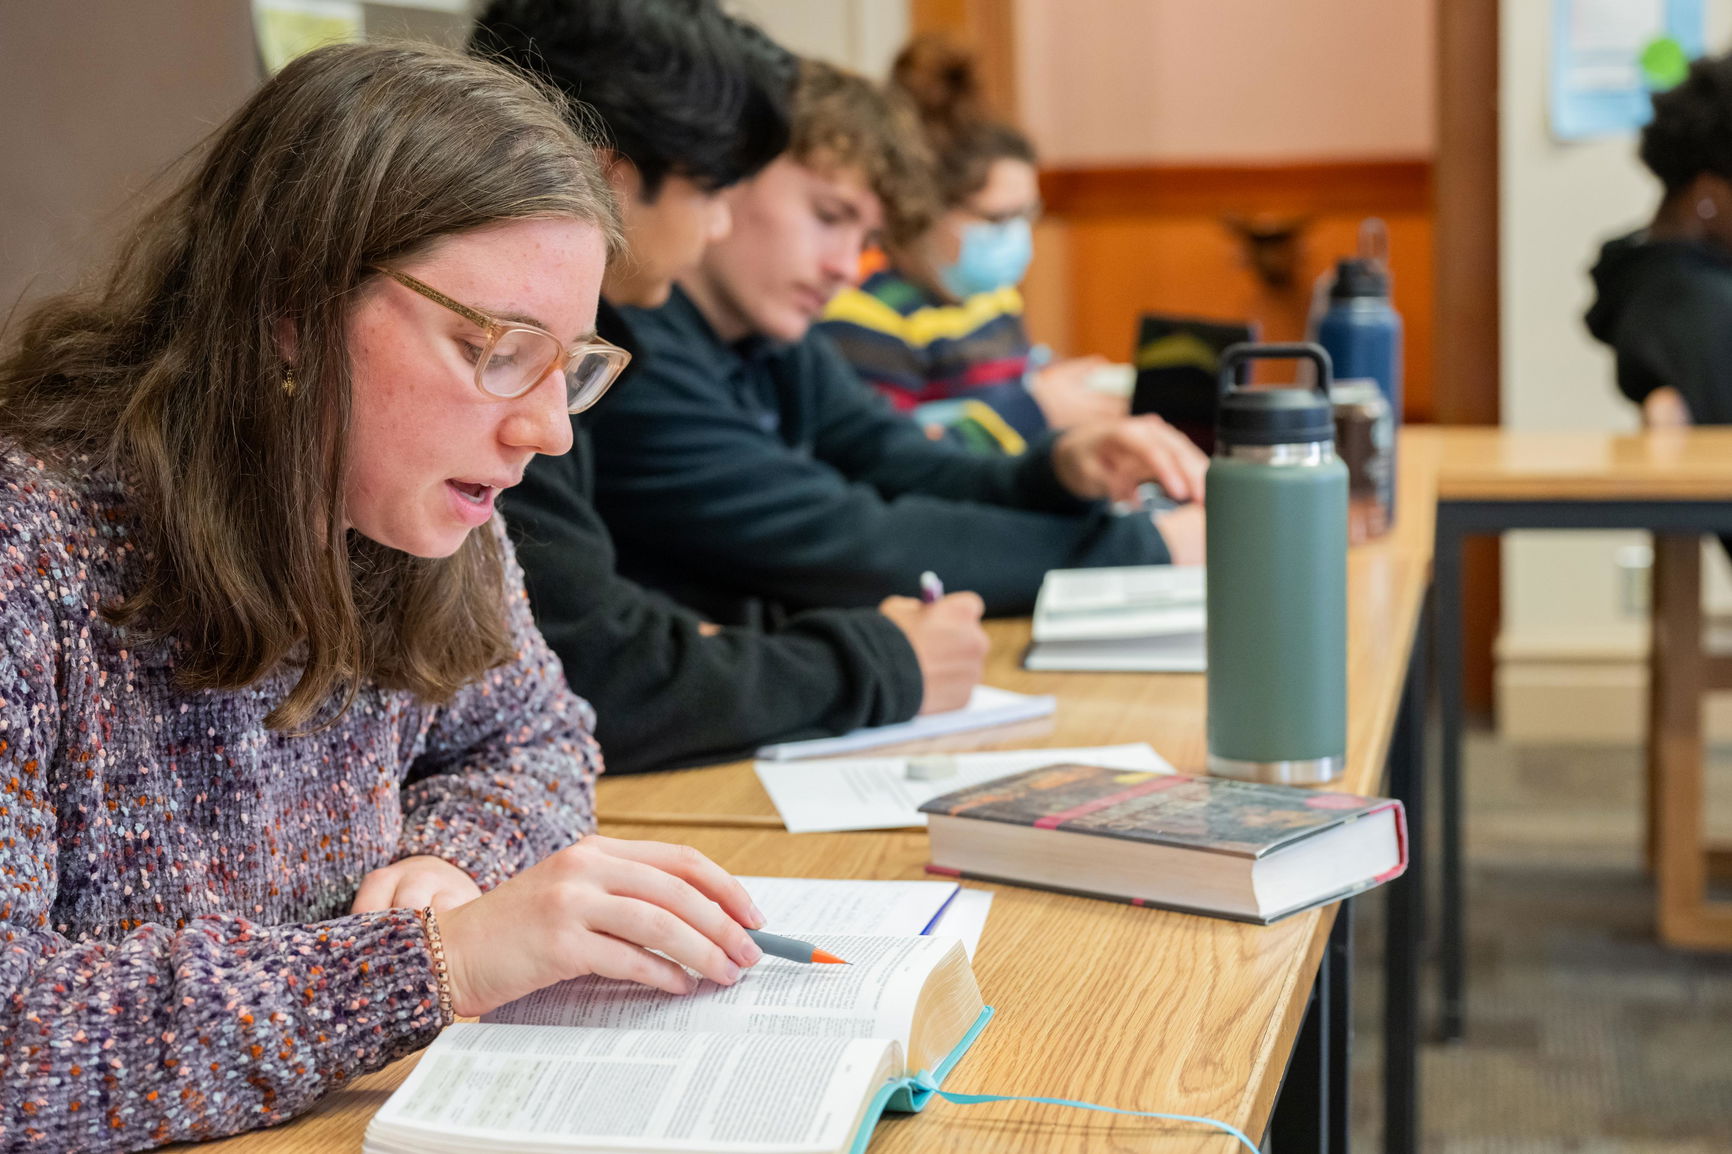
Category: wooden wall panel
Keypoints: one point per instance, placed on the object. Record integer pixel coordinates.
(988, 27)
(1469, 361)
(1168, 188)
(1131, 241)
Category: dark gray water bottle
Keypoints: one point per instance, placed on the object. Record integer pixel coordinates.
(1277, 578)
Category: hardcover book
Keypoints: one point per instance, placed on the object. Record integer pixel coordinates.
(1203, 845)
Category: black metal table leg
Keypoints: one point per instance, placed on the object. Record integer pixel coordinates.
(1447, 587)
(1404, 930)
(1312, 1111)
(1338, 1088)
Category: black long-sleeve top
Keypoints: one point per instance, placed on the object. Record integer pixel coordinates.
(1665, 308)
(751, 475)
(665, 695)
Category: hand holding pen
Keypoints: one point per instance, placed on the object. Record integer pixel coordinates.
(931, 588)
(948, 642)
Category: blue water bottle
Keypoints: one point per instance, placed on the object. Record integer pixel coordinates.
(1361, 329)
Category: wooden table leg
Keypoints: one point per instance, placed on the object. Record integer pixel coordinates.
(1677, 843)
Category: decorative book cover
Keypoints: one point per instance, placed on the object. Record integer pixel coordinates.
(1244, 819)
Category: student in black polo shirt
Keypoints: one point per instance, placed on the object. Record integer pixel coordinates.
(747, 465)
(690, 101)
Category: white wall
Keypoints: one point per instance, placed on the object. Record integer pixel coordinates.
(1567, 633)
(864, 35)
(1211, 81)
(99, 97)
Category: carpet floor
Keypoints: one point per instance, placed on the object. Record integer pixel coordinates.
(1584, 1035)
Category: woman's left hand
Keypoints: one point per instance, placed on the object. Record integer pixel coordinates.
(415, 883)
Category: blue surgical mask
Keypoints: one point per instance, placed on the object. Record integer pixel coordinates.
(994, 255)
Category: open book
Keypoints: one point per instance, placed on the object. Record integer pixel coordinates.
(794, 1059)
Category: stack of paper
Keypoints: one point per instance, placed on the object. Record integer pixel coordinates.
(1144, 618)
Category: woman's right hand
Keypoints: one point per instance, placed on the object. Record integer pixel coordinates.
(599, 907)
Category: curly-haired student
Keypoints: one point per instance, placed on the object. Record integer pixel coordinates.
(1664, 292)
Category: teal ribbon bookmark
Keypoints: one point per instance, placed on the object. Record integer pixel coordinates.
(910, 1095)
(925, 1082)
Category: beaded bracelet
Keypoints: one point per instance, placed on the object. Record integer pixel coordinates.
(437, 945)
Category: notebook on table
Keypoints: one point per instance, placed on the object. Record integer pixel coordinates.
(1135, 618)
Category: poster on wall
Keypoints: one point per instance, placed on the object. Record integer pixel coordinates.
(287, 28)
(1610, 56)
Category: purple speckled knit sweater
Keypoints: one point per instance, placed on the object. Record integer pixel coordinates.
(175, 959)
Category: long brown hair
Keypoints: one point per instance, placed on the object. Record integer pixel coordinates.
(172, 369)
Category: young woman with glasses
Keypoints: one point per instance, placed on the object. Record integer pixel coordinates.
(287, 776)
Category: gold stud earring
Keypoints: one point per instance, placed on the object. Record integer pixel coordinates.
(290, 385)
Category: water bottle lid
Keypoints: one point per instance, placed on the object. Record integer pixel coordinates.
(1290, 416)
(1358, 278)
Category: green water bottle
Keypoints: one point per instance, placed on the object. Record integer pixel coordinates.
(1276, 500)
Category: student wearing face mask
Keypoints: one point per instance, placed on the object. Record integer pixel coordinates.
(939, 329)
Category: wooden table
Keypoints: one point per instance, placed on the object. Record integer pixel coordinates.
(1490, 480)
(1387, 582)
(1161, 1011)
(1223, 1004)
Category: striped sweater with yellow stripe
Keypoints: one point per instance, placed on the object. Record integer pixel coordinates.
(960, 365)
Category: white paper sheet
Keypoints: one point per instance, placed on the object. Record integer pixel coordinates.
(848, 906)
(965, 918)
(876, 793)
(986, 707)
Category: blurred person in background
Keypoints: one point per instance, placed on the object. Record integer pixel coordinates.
(939, 329)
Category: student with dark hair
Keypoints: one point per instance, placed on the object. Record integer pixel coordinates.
(1664, 292)
(675, 85)
(692, 101)
(290, 779)
(746, 467)
(939, 330)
